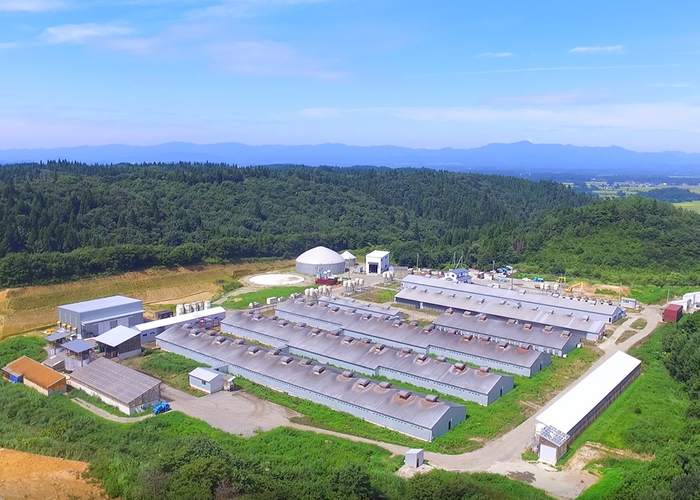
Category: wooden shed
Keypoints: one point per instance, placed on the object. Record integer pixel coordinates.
(35, 375)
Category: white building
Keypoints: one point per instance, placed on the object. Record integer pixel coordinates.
(561, 423)
(95, 317)
(350, 259)
(209, 380)
(377, 262)
(459, 275)
(320, 261)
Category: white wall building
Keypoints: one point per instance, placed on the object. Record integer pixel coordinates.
(459, 275)
(567, 418)
(377, 262)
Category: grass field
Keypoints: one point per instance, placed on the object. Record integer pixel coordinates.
(625, 335)
(689, 205)
(242, 300)
(650, 294)
(31, 308)
(639, 324)
(379, 295)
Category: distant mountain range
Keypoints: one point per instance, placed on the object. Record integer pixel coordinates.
(520, 158)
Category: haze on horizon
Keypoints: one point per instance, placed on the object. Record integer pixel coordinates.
(359, 72)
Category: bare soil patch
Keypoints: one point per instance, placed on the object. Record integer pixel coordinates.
(25, 475)
(593, 452)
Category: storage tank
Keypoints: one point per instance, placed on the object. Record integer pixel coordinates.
(179, 310)
(320, 261)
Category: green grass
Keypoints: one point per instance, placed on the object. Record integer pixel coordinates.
(168, 367)
(483, 422)
(379, 295)
(606, 291)
(639, 324)
(650, 294)
(95, 401)
(625, 335)
(689, 205)
(241, 301)
(32, 347)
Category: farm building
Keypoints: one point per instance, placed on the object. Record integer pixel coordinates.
(417, 415)
(673, 313)
(210, 381)
(320, 261)
(377, 262)
(566, 418)
(358, 306)
(120, 342)
(205, 318)
(117, 385)
(547, 339)
(581, 327)
(350, 259)
(458, 275)
(370, 358)
(95, 317)
(77, 353)
(33, 374)
(397, 333)
(591, 309)
(56, 341)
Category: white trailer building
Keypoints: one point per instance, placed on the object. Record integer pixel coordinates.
(561, 423)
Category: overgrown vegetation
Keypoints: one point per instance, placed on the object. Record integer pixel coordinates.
(376, 294)
(657, 415)
(32, 347)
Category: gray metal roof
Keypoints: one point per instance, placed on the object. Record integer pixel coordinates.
(410, 333)
(323, 380)
(367, 354)
(57, 336)
(78, 346)
(531, 314)
(579, 307)
(114, 380)
(359, 306)
(516, 331)
(205, 374)
(97, 304)
(117, 335)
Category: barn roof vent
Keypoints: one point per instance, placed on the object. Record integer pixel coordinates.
(315, 331)
(318, 369)
(404, 394)
(221, 340)
(274, 352)
(467, 313)
(431, 398)
(384, 385)
(512, 321)
(335, 309)
(421, 357)
(548, 329)
(406, 350)
(459, 366)
(348, 374)
(286, 360)
(503, 302)
(379, 348)
(482, 317)
(253, 349)
(301, 325)
(527, 326)
(441, 359)
(348, 340)
(363, 382)
(284, 322)
(449, 310)
(367, 317)
(503, 345)
(274, 317)
(239, 341)
(484, 369)
(305, 362)
(413, 323)
(397, 324)
(439, 292)
(566, 334)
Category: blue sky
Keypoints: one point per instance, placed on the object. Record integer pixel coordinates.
(362, 72)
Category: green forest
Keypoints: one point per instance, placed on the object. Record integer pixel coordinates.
(62, 221)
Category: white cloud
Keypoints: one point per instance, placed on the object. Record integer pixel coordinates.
(248, 8)
(82, 33)
(551, 99)
(496, 54)
(610, 49)
(10, 45)
(265, 58)
(30, 5)
(667, 116)
(672, 85)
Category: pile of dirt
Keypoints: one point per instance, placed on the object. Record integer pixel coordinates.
(25, 475)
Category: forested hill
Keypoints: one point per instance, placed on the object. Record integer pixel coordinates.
(63, 220)
(629, 240)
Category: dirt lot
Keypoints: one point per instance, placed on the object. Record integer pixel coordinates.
(593, 452)
(24, 475)
(31, 308)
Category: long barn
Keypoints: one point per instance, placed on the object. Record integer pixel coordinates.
(422, 416)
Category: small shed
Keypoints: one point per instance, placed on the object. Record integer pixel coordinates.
(377, 262)
(120, 342)
(78, 353)
(350, 259)
(35, 375)
(210, 381)
(673, 313)
(56, 341)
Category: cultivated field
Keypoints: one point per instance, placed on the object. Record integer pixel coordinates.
(25, 475)
(31, 308)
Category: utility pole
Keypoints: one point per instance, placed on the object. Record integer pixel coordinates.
(494, 266)
(417, 254)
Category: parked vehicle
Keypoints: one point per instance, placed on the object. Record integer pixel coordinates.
(161, 407)
(538, 279)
